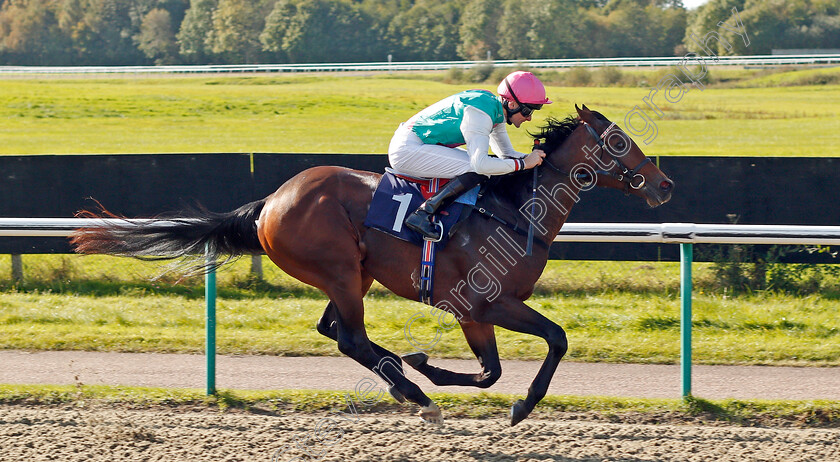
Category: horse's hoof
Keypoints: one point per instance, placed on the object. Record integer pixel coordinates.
(431, 414)
(416, 359)
(396, 394)
(518, 412)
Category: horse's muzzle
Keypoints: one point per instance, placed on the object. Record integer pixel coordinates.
(660, 193)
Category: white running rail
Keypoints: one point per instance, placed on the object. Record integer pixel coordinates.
(663, 61)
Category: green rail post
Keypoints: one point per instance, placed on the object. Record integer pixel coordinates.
(686, 257)
(210, 324)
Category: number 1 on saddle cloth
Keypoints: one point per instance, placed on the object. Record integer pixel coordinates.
(398, 195)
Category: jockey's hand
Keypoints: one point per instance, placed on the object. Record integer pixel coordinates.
(534, 158)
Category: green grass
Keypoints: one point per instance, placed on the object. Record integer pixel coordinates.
(358, 114)
(612, 311)
(794, 77)
(814, 413)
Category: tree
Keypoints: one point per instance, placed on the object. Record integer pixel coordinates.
(113, 28)
(74, 23)
(528, 29)
(770, 24)
(551, 38)
(705, 20)
(632, 28)
(157, 37)
(321, 31)
(276, 24)
(195, 36)
(480, 29)
(513, 39)
(30, 34)
(427, 31)
(236, 27)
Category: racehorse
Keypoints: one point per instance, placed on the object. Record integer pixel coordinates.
(312, 228)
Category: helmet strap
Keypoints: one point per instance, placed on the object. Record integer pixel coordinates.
(510, 112)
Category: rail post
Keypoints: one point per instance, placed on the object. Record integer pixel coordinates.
(210, 323)
(686, 257)
(17, 269)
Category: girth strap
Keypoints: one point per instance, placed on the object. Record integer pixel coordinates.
(427, 260)
(512, 226)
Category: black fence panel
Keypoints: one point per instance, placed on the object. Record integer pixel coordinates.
(130, 185)
(748, 190)
(272, 170)
(754, 190)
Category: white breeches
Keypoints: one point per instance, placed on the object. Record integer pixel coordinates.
(408, 154)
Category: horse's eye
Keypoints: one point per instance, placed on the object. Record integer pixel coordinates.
(620, 146)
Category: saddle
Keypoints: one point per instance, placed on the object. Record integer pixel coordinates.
(398, 195)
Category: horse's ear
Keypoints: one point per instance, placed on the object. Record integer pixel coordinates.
(580, 111)
(585, 108)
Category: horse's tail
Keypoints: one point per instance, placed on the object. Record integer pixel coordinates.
(201, 233)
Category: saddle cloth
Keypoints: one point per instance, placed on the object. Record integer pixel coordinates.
(399, 195)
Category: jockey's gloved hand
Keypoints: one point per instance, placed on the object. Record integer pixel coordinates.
(534, 158)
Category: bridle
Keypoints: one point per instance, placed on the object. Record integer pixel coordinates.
(624, 175)
(630, 177)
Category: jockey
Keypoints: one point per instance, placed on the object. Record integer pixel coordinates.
(425, 145)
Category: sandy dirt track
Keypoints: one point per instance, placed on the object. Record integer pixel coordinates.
(96, 433)
(341, 373)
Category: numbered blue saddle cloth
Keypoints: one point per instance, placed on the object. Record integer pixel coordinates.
(398, 195)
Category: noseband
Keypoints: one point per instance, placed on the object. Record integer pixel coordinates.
(630, 177)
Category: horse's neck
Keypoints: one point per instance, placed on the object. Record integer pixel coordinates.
(558, 194)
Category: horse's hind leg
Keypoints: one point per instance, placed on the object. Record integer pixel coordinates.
(312, 238)
(354, 342)
(482, 340)
(328, 326)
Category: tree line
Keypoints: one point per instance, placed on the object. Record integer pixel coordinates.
(134, 32)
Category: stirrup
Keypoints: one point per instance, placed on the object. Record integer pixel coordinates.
(440, 228)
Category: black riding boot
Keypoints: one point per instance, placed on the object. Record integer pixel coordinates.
(421, 219)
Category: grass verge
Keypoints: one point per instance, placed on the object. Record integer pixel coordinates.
(612, 312)
(692, 410)
(788, 114)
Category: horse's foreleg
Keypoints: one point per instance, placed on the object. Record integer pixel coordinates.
(482, 340)
(513, 314)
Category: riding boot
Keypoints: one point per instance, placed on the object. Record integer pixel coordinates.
(421, 219)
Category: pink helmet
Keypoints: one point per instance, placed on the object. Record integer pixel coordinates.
(525, 87)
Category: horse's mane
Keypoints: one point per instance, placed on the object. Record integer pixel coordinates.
(554, 132)
(515, 188)
(506, 193)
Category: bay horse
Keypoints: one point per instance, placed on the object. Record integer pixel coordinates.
(312, 228)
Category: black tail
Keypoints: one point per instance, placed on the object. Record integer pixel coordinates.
(229, 234)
